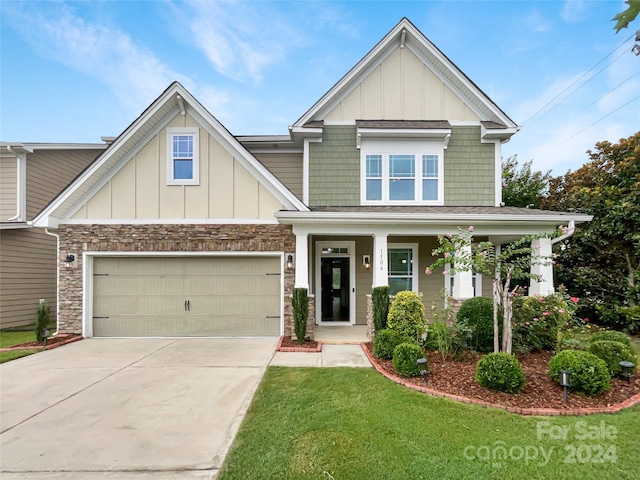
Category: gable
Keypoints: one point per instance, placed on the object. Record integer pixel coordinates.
(401, 86)
(140, 190)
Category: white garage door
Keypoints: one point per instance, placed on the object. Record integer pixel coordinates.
(186, 296)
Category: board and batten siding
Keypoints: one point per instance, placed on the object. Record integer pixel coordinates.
(27, 273)
(8, 187)
(401, 87)
(287, 167)
(139, 189)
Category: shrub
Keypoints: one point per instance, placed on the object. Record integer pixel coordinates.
(612, 353)
(380, 300)
(300, 304)
(405, 358)
(453, 340)
(536, 321)
(500, 372)
(478, 315)
(434, 331)
(406, 316)
(42, 321)
(385, 342)
(589, 374)
(611, 336)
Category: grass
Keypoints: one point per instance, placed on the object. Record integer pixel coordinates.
(347, 423)
(11, 337)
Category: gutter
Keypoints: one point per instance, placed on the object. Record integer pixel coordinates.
(570, 230)
(46, 230)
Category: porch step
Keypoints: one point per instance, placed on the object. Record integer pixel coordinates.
(341, 334)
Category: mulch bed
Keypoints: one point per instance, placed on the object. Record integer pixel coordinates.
(52, 342)
(290, 344)
(456, 377)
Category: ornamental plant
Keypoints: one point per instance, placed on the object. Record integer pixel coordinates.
(405, 359)
(385, 342)
(589, 374)
(406, 316)
(537, 320)
(477, 314)
(611, 336)
(300, 303)
(500, 372)
(613, 353)
(42, 321)
(380, 300)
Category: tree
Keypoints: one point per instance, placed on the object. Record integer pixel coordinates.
(520, 186)
(505, 264)
(602, 262)
(627, 16)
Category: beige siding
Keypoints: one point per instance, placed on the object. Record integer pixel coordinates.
(27, 274)
(8, 188)
(139, 189)
(401, 88)
(287, 167)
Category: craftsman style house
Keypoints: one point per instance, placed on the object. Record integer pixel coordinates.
(180, 228)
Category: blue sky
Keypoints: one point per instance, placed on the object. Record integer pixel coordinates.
(76, 71)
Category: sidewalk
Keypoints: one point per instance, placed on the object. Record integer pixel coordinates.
(331, 356)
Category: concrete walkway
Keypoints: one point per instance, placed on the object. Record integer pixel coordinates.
(331, 356)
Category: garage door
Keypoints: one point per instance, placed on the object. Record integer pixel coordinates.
(187, 296)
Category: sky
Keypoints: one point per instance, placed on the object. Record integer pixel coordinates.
(76, 71)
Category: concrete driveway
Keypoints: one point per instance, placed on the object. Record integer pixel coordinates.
(127, 408)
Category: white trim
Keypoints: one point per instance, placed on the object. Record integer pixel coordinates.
(21, 188)
(87, 277)
(415, 273)
(65, 146)
(339, 122)
(498, 173)
(351, 245)
(195, 160)
(170, 221)
(477, 289)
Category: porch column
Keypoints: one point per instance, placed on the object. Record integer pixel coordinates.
(379, 260)
(463, 281)
(302, 262)
(542, 267)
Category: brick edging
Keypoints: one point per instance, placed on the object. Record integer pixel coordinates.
(630, 402)
(72, 339)
(280, 348)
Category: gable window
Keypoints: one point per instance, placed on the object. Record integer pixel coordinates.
(183, 165)
(402, 260)
(402, 173)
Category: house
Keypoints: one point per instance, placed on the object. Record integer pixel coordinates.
(180, 228)
(31, 175)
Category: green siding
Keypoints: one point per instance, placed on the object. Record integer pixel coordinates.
(469, 169)
(334, 168)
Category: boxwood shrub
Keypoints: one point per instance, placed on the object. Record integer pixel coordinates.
(500, 372)
(405, 358)
(406, 316)
(612, 353)
(589, 374)
(611, 336)
(477, 313)
(385, 342)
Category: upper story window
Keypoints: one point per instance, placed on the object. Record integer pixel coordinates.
(183, 163)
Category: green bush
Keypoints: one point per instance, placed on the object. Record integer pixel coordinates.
(380, 300)
(385, 342)
(300, 304)
(589, 374)
(612, 353)
(434, 331)
(536, 322)
(405, 358)
(611, 336)
(42, 321)
(478, 315)
(406, 316)
(500, 372)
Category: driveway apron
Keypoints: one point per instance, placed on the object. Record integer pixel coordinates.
(127, 408)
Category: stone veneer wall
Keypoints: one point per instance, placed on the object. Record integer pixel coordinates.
(76, 239)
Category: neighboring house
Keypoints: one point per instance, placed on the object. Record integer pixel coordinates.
(180, 228)
(31, 175)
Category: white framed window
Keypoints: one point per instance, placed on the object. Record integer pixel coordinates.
(406, 172)
(403, 267)
(183, 156)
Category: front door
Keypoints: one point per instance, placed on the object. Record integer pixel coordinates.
(335, 289)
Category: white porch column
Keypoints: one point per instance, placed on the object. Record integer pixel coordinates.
(379, 261)
(541, 267)
(463, 281)
(302, 262)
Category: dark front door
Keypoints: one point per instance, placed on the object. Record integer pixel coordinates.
(335, 289)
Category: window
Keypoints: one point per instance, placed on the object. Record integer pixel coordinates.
(476, 281)
(402, 173)
(183, 166)
(402, 268)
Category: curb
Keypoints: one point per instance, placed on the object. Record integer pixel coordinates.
(280, 348)
(549, 412)
(48, 347)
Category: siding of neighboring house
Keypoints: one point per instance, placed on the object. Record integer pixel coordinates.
(8, 186)
(287, 167)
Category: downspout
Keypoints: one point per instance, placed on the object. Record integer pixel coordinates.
(46, 230)
(570, 230)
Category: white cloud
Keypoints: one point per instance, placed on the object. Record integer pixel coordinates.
(573, 11)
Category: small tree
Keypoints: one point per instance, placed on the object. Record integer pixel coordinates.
(43, 320)
(300, 304)
(380, 300)
(506, 264)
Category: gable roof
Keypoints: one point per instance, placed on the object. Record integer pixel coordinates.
(173, 100)
(406, 35)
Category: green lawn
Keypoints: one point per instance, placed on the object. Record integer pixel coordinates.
(12, 337)
(348, 423)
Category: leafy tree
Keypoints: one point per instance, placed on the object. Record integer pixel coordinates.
(505, 264)
(520, 186)
(601, 264)
(627, 16)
